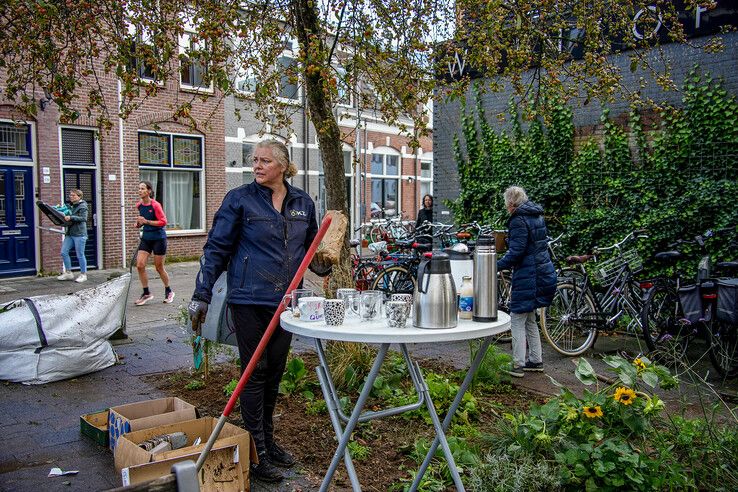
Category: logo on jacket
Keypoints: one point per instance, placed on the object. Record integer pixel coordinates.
(296, 213)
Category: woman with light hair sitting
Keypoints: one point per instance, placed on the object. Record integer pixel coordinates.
(533, 278)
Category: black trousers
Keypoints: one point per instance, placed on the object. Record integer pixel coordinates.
(259, 396)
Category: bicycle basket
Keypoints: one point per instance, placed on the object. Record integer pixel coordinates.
(727, 301)
(606, 271)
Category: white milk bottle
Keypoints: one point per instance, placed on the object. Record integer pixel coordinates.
(466, 298)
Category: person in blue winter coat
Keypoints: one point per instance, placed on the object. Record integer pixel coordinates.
(260, 235)
(533, 277)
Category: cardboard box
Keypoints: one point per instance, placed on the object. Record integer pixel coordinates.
(146, 414)
(221, 472)
(128, 454)
(95, 426)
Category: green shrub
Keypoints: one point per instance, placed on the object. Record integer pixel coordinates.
(676, 181)
(502, 473)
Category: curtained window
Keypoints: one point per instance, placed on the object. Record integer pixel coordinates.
(174, 164)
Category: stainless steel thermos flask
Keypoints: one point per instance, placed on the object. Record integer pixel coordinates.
(485, 280)
(434, 303)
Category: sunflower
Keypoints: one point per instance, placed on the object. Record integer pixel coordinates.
(593, 412)
(624, 395)
(640, 365)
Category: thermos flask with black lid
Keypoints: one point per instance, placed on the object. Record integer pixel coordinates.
(485, 280)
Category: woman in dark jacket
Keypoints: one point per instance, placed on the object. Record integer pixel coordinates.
(75, 236)
(533, 280)
(260, 234)
(425, 214)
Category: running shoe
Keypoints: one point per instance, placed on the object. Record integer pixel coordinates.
(144, 299)
(169, 297)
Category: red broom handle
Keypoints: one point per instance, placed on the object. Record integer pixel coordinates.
(275, 319)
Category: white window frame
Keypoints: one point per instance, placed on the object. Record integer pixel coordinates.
(386, 152)
(185, 41)
(289, 52)
(170, 167)
(426, 157)
(341, 77)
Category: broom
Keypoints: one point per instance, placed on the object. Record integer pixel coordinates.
(263, 343)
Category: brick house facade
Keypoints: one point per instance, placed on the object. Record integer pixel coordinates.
(61, 157)
(361, 143)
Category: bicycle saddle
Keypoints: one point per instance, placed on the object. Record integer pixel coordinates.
(727, 266)
(404, 243)
(354, 242)
(579, 259)
(668, 256)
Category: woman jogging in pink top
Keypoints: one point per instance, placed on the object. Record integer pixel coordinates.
(153, 240)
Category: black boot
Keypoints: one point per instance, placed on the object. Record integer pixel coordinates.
(265, 471)
(279, 456)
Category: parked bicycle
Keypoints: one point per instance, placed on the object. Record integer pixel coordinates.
(585, 305)
(677, 311)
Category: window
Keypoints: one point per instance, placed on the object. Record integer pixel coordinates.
(15, 142)
(142, 47)
(348, 179)
(385, 179)
(193, 70)
(343, 88)
(288, 88)
(78, 147)
(247, 150)
(425, 178)
(174, 164)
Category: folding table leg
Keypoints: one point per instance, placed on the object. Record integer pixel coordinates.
(354, 419)
(452, 410)
(440, 436)
(333, 412)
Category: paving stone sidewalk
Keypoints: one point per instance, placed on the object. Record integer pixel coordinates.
(39, 425)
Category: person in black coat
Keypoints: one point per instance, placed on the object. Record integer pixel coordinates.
(533, 279)
(425, 213)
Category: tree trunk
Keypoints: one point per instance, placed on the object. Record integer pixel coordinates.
(316, 73)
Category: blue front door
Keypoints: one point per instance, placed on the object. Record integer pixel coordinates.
(84, 180)
(17, 228)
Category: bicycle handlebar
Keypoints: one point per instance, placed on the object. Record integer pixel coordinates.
(637, 234)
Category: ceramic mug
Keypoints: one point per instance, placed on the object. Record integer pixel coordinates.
(291, 300)
(350, 299)
(311, 308)
(335, 310)
(397, 313)
(370, 304)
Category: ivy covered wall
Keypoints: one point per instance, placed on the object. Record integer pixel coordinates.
(675, 179)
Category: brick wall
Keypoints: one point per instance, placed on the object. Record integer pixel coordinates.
(153, 113)
(586, 118)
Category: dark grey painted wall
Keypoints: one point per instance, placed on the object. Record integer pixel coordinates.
(681, 57)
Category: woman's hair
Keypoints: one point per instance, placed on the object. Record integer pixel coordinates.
(281, 155)
(77, 192)
(149, 187)
(515, 196)
(427, 195)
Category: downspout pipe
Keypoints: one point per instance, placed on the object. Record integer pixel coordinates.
(122, 178)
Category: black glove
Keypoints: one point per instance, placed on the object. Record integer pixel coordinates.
(321, 267)
(197, 310)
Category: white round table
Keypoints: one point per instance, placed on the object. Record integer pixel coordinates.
(355, 330)
(377, 332)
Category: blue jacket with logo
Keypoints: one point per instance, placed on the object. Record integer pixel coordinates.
(261, 247)
(534, 275)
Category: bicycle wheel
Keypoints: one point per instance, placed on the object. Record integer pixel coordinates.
(570, 322)
(364, 275)
(662, 330)
(504, 291)
(723, 338)
(394, 280)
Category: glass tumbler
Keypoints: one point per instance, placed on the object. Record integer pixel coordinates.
(370, 304)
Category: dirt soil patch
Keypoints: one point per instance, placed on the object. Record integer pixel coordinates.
(310, 437)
